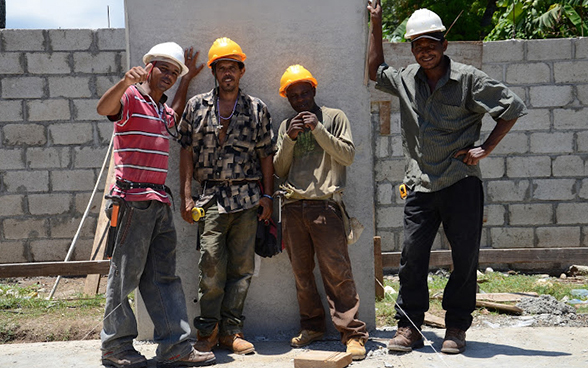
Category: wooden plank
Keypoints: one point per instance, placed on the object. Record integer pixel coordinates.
(500, 307)
(322, 359)
(378, 270)
(385, 111)
(73, 268)
(438, 258)
(504, 297)
(434, 321)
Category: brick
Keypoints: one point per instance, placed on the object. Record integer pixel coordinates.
(385, 193)
(111, 39)
(582, 93)
(397, 148)
(88, 157)
(24, 134)
(67, 227)
(536, 119)
(513, 142)
(570, 119)
(554, 189)
(389, 217)
(23, 40)
(48, 110)
(75, 87)
(568, 166)
(11, 111)
(12, 205)
(495, 71)
(581, 48)
(530, 214)
(10, 63)
(54, 63)
(507, 191)
(530, 166)
(104, 62)
(12, 159)
(105, 129)
(494, 215)
(571, 213)
(48, 158)
(512, 237)
(570, 71)
(103, 83)
(502, 51)
(389, 242)
(71, 133)
(492, 167)
(552, 142)
(528, 73)
(551, 96)
(582, 141)
(86, 110)
(81, 202)
(72, 180)
(392, 170)
(558, 237)
(22, 87)
(47, 250)
(70, 40)
(382, 144)
(15, 229)
(12, 251)
(549, 49)
(584, 189)
(26, 181)
(49, 204)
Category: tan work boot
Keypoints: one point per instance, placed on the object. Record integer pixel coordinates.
(306, 337)
(124, 359)
(356, 348)
(207, 343)
(406, 339)
(194, 359)
(237, 344)
(454, 342)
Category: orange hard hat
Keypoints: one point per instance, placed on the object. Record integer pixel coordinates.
(295, 73)
(225, 48)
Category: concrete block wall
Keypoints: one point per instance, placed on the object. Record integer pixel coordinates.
(52, 141)
(535, 181)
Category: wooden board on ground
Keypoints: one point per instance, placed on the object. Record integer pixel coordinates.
(71, 268)
(500, 307)
(434, 321)
(322, 359)
(504, 297)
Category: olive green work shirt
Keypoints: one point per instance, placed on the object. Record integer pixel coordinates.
(436, 125)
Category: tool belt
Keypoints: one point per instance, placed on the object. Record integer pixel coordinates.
(126, 185)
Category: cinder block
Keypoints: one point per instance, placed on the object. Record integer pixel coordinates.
(10, 63)
(389, 217)
(528, 167)
(12, 251)
(554, 189)
(12, 205)
(54, 63)
(570, 71)
(67, 226)
(385, 193)
(492, 167)
(71, 134)
(494, 215)
(495, 71)
(24, 135)
(16, 229)
(502, 51)
(48, 110)
(558, 237)
(112, 39)
(549, 49)
(568, 166)
(507, 191)
(26, 181)
(76, 87)
(582, 93)
(512, 237)
(572, 213)
(86, 110)
(47, 250)
(535, 120)
(89, 157)
(72, 180)
(389, 241)
(48, 157)
(22, 87)
(392, 170)
(581, 45)
(528, 73)
(81, 202)
(12, 159)
(382, 144)
(513, 142)
(103, 83)
(530, 214)
(70, 40)
(584, 189)
(11, 111)
(396, 144)
(49, 204)
(552, 142)
(570, 119)
(105, 129)
(23, 40)
(551, 96)
(582, 141)
(104, 62)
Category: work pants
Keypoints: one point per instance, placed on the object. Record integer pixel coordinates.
(227, 262)
(460, 208)
(145, 258)
(316, 227)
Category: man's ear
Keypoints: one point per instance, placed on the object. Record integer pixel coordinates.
(243, 70)
(445, 45)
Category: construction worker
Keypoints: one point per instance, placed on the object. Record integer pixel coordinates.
(227, 147)
(145, 252)
(442, 103)
(314, 148)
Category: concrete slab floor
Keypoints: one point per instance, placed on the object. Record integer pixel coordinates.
(521, 347)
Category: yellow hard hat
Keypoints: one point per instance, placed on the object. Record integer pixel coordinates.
(295, 73)
(225, 48)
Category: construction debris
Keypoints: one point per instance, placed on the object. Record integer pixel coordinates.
(545, 304)
(576, 270)
(322, 359)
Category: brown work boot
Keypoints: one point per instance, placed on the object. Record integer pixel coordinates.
(406, 339)
(306, 337)
(237, 344)
(124, 359)
(194, 359)
(454, 342)
(207, 343)
(356, 348)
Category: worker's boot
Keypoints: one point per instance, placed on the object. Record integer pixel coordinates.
(207, 343)
(194, 359)
(124, 359)
(305, 337)
(406, 339)
(356, 347)
(237, 344)
(454, 342)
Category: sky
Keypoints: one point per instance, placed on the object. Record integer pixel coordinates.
(65, 14)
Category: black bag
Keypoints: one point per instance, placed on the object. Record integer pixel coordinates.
(266, 244)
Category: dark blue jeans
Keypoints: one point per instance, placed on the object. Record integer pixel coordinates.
(460, 209)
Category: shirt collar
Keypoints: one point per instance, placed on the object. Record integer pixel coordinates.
(144, 93)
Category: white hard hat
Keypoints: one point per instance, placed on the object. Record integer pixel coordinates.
(167, 51)
(423, 21)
